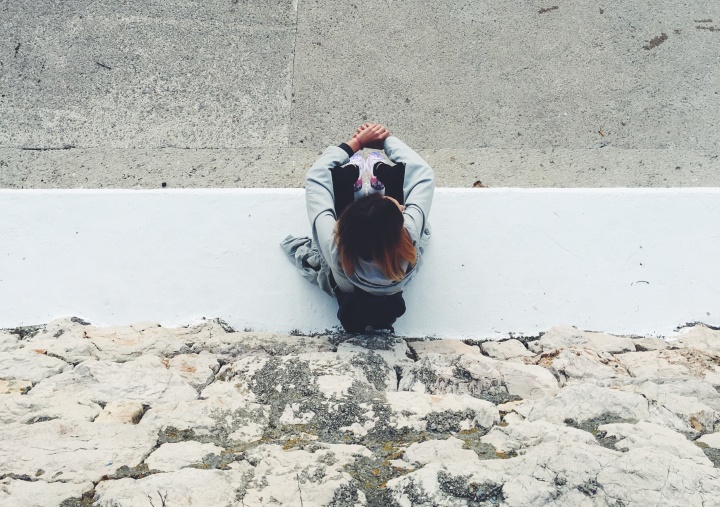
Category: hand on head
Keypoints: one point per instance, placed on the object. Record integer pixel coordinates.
(372, 135)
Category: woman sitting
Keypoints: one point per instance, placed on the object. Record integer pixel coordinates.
(367, 240)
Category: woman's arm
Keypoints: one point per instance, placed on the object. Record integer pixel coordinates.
(418, 187)
(320, 199)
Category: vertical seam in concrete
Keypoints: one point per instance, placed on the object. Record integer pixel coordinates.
(292, 77)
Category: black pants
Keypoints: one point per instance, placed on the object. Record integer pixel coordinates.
(359, 309)
(344, 178)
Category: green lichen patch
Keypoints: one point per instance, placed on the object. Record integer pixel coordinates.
(589, 487)
(425, 375)
(449, 421)
(86, 500)
(228, 421)
(370, 475)
(471, 440)
(374, 367)
(39, 419)
(345, 496)
(172, 435)
(491, 389)
(591, 426)
(414, 492)
(126, 472)
(241, 490)
(713, 455)
(18, 477)
(373, 341)
(525, 340)
(280, 382)
(25, 332)
(217, 436)
(460, 486)
(220, 461)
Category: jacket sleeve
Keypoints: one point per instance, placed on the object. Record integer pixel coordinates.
(418, 186)
(320, 199)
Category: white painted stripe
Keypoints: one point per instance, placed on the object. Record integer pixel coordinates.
(501, 260)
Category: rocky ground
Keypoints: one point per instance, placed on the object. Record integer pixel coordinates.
(204, 415)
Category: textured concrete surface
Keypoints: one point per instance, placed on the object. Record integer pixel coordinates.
(246, 92)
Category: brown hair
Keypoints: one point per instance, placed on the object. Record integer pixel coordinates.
(372, 228)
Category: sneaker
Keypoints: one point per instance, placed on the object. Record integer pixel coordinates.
(358, 160)
(370, 163)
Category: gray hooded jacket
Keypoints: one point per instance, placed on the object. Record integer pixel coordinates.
(318, 258)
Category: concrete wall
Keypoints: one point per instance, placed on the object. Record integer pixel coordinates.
(501, 260)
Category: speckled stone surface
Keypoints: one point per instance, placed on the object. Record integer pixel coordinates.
(245, 93)
(205, 415)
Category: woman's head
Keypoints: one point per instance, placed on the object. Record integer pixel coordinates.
(372, 229)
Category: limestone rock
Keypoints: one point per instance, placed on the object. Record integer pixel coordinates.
(695, 402)
(145, 379)
(291, 376)
(558, 474)
(221, 419)
(172, 457)
(77, 341)
(58, 327)
(72, 451)
(337, 386)
(121, 412)
(212, 338)
(438, 451)
(451, 412)
(205, 415)
(565, 336)
(72, 346)
(584, 403)
(673, 364)
(646, 344)
(15, 386)
(39, 493)
(336, 393)
(240, 374)
(32, 366)
(520, 436)
(453, 347)
(16, 408)
(505, 350)
(197, 370)
(711, 440)
(580, 364)
(652, 436)
(512, 418)
(654, 365)
(394, 351)
(318, 477)
(479, 376)
(128, 342)
(649, 476)
(697, 337)
(185, 487)
(8, 341)
(545, 474)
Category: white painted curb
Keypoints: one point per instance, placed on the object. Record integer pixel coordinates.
(501, 260)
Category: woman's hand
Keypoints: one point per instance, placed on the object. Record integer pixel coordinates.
(370, 135)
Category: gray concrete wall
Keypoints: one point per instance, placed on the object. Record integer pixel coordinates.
(247, 92)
